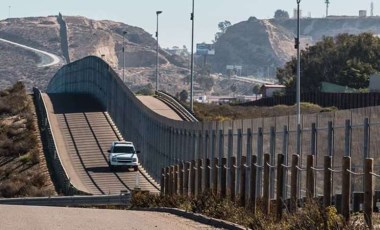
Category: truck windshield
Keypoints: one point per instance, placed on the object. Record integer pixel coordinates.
(123, 149)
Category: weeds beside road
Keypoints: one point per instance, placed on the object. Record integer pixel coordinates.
(21, 173)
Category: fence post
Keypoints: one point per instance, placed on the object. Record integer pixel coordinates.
(221, 164)
(346, 187)
(192, 172)
(199, 177)
(223, 178)
(368, 191)
(253, 180)
(215, 176)
(310, 178)
(248, 169)
(186, 174)
(294, 184)
(175, 171)
(230, 143)
(239, 164)
(327, 181)
(213, 165)
(242, 187)
(171, 186)
(162, 182)
(272, 150)
(167, 180)
(280, 185)
(260, 149)
(233, 179)
(205, 168)
(180, 178)
(266, 195)
(207, 175)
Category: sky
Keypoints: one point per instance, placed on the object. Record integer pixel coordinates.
(174, 23)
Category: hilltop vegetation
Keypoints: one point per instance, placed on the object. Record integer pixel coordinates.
(346, 60)
(21, 157)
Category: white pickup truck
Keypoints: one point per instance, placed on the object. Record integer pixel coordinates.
(123, 153)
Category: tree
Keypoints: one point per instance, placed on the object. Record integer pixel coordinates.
(346, 60)
(256, 89)
(183, 95)
(281, 14)
(222, 26)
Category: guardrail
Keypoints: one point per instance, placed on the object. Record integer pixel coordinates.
(171, 101)
(57, 171)
(122, 199)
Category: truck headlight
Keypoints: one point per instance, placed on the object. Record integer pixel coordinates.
(134, 159)
(114, 158)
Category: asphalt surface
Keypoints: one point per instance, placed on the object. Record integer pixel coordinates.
(83, 135)
(56, 218)
(159, 107)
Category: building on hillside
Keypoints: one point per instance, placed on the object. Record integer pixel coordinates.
(268, 90)
(327, 87)
(362, 13)
(295, 13)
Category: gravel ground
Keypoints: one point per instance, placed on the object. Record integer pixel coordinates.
(54, 218)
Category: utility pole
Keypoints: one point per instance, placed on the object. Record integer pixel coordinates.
(192, 61)
(157, 61)
(298, 99)
(327, 7)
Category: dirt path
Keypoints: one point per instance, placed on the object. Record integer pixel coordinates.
(55, 218)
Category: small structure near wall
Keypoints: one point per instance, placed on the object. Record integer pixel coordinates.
(374, 83)
(268, 90)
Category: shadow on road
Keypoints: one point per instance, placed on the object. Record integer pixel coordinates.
(74, 103)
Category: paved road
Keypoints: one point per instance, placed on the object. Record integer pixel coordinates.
(47, 59)
(55, 218)
(83, 134)
(159, 107)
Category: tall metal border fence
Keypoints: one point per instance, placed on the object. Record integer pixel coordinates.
(165, 142)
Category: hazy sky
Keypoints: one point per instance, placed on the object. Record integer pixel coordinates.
(174, 22)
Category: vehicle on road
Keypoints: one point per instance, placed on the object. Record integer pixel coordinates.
(123, 153)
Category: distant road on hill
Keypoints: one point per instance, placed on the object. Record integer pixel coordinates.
(47, 59)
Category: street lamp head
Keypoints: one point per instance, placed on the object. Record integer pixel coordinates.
(298, 1)
(158, 12)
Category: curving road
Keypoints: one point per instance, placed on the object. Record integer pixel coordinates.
(47, 59)
(83, 132)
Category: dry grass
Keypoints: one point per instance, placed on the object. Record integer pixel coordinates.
(20, 172)
(311, 216)
(213, 112)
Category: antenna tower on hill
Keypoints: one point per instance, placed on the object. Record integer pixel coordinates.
(327, 7)
(372, 7)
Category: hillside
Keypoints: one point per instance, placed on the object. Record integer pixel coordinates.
(260, 46)
(23, 170)
(72, 38)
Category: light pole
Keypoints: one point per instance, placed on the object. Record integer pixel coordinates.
(298, 97)
(9, 11)
(124, 33)
(157, 13)
(327, 7)
(192, 60)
